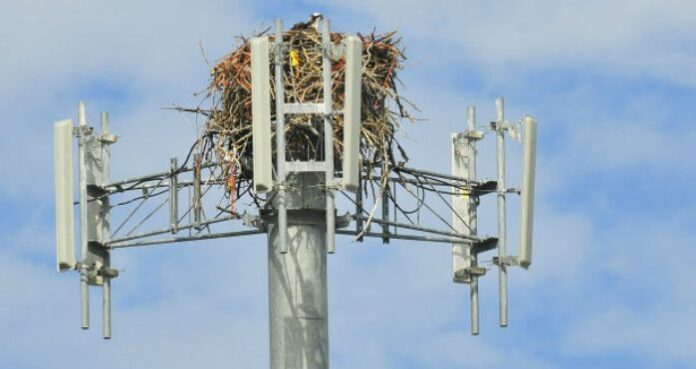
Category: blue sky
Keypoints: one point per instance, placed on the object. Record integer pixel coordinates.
(611, 82)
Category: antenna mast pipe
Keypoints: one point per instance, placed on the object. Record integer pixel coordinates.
(328, 137)
(464, 207)
(197, 200)
(173, 196)
(502, 226)
(84, 287)
(281, 197)
(473, 219)
(105, 224)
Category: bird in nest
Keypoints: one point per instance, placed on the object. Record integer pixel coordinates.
(313, 22)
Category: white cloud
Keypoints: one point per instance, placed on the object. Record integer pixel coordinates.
(148, 51)
(643, 38)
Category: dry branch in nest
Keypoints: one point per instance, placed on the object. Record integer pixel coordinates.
(228, 130)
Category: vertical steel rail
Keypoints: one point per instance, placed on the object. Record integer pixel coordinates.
(473, 220)
(84, 299)
(385, 207)
(173, 196)
(328, 137)
(105, 223)
(359, 206)
(502, 226)
(106, 308)
(281, 198)
(197, 205)
(396, 211)
(82, 163)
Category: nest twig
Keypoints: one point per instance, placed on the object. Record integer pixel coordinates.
(228, 129)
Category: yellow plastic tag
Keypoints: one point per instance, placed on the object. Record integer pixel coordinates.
(294, 58)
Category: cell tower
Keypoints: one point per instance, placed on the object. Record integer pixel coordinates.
(298, 207)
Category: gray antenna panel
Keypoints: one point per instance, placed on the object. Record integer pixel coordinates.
(261, 114)
(351, 114)
(65, 234)
(527, 191)
(461, 207)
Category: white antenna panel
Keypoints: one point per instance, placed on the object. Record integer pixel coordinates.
(527, 191)
(351, 114)
(261, 114)
(65, 234)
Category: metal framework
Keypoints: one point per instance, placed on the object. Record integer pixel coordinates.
(298, 208)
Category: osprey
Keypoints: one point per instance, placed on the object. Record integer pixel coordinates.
(313, 22)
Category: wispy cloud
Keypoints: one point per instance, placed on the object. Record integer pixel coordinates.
(644, 38)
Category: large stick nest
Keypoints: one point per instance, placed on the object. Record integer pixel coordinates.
(228, 131)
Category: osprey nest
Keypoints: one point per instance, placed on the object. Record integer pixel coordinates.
(228, 130)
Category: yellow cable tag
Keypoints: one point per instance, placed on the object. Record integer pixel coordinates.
(294, 58)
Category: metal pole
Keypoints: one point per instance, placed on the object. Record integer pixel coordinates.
(105, 225)
(116, 242)
(502, 228)
(106, 307)
(456, 235)
(385, 212)
(84, 287)
(298, 314)
(280, 137)
(197, 201)
(359, 207)
(328, 138)
(106, 149)
(155, 176)
(472, 217)
(437, 175)
(84, 300)
(173, 196)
